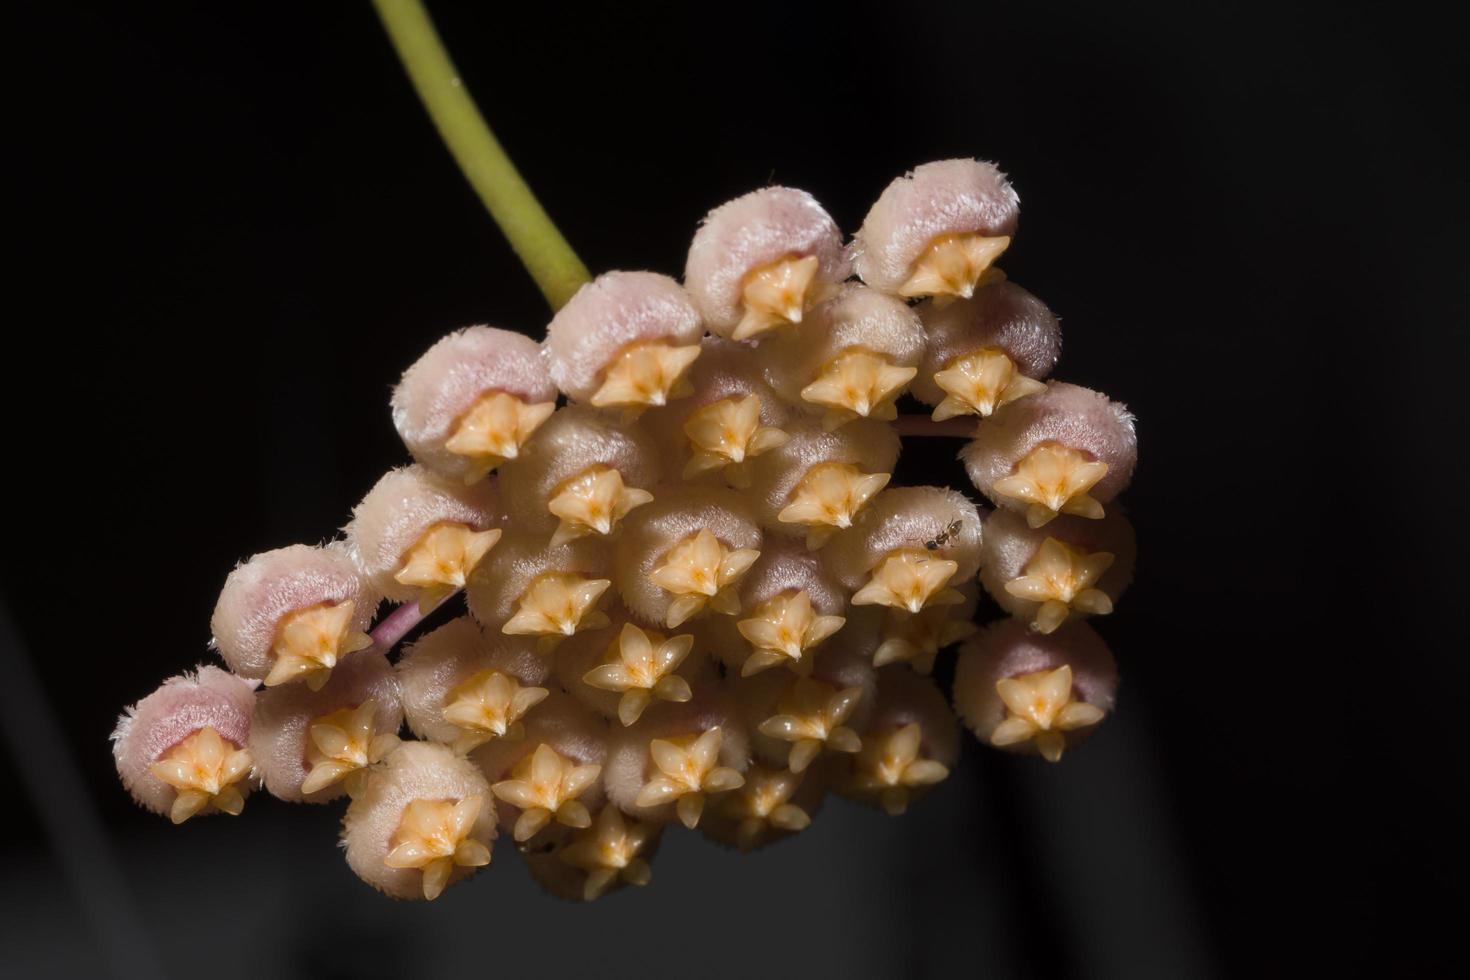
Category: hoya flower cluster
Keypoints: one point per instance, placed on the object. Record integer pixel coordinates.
(693, 597)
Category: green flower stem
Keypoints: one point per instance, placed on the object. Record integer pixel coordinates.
(537, 242)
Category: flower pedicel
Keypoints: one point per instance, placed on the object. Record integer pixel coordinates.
(695, 597)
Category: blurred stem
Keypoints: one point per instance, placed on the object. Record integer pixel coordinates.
(537, 242)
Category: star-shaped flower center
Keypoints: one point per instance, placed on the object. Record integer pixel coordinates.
(700, 570)
(489, 705)
(953, 265)
(910, 579)
(442, 559)
(640, 665)
(811, 715)
(556, 605)
(494, 429)
(609, 850)
(917, 638)
(434, 836)
(857, 384)
(1061, 579)
(981, 382)
(828, 497)
(782, 629)
(645, 374)
(341, 745)
(889, 766)
(725, 434)
(593, 502)
(546, 784)
(203, 769)
(763, 804)
(1054, 479)
(779, 293)
(688, 772)
(1040, 706)
(310, 641)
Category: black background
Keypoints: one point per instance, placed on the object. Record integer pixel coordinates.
(236, 227)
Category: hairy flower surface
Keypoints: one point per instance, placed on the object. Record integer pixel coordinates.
(694, 594)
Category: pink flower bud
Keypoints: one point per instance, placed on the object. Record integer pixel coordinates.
(1065, 450)
(445, 384)
(282, 744)
(182, 706)
(608, 316)
(945, 198)
(424, 820)
(1028, 692)
(392, 534)
(261, 595)
(752, 234)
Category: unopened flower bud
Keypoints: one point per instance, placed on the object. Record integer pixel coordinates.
(316, 745)
(293, 614)
(1071, 567)
(937, 230)
(762, 261)
(624, 341)
(1066, 450)
(418, 536)
(859, 353)
(1025, 691)
(579, 476)
(464, 688)
(986, 351)
(471, 402)
(182, 749)
(424, 820)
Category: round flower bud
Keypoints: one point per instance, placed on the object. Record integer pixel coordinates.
(664, 767)
(586, 864)
(472, 401)
(552, 775)
(685, 551)
(910, 743)
(1030, 692)
(762, 260)
(936, 230)
(182, 749)
(985, 351)
(531, 587)
(579, 476)
(790, 604)
(795, 718)
(773, 804)
(464, 688)
(424, 820)
(1071, 567)
(624, 670)
(909, 549)
(1067, 450)
(732, 418)
(314, 746)
(292, 614)
(624, 341)
(417, 536)
(859, 353)
(819, 481)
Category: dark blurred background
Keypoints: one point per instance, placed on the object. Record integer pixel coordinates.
(237, 227)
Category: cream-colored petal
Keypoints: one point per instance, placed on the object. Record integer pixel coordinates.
(444, 556)
(953, 264)
(858, 383)
(644, 375)
(1054, 479)
(593, 502)
(494, 429)
(556, 604)
(908, 578)
(778, 294)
